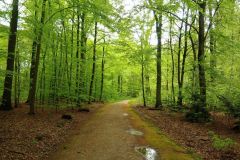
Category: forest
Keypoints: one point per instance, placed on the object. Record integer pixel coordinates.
(171, 64)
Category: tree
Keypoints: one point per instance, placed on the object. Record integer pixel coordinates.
(7, 93)
(36, 59)
(158, 15)
(102, 72)
(94, 61)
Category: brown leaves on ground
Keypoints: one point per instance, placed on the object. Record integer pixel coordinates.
(195, 136)
(33, 137)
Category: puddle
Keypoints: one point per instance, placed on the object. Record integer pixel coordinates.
(125, 114)
(135, 132)
(147, 152)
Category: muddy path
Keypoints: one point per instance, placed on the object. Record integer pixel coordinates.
(114, 133)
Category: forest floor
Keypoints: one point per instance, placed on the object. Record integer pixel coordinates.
(110, 131)
(195, 136)
(25, 137)
(115, 133)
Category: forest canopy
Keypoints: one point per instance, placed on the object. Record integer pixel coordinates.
(183, 55)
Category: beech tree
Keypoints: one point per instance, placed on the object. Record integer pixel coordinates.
(166, 53)
(7, 92)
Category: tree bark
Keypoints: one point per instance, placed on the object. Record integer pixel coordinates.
(78, 63)
(36, 60)
(158, 19)
(142, 75)
(7, 92)
(17, 80)
(102, 76)
(182, 71)
(179, 102)
(212, 42)
(94, 63)
(83, 55)
(173, 63)
(201, 54)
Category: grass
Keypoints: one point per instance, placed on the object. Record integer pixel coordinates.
(167, 149)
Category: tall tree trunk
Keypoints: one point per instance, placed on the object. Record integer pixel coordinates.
(36, 64)
(77, 57)
(43, 77)
(102, 76)
(142, 75)
(143, 84)
(173, 63)
(7, 92)
(17, 80)
(179, 102)
(212, 42)
(158, 19)
(94, 63)
(167, 82)
(34, 48)
(184, 59)
(194, 69)
(201, 54)
(83, 55)
(182, 68)
(71, 62)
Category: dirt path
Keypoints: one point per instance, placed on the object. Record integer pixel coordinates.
(105, 137)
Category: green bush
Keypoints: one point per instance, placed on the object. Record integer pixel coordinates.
(221, 143)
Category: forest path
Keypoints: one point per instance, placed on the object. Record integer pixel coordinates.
(111, 134)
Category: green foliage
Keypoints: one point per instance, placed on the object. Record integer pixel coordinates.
(219, 143)
(129, 38)
(198, 112)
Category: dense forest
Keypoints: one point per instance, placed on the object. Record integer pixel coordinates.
(172, 53)
(177, 55)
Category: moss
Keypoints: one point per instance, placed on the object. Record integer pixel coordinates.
(167, 149)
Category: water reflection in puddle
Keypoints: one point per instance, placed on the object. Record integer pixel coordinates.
(135, 132)
(148, 153)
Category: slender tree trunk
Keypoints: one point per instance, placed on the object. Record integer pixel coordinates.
(77, 57)
(142, 74)
(37, 58)
(7, 92)
(43, 77)
(83, 55)
(121, 88)
(182, 68)
(119, 84)
(194, 69)
(212, 42)
(167, 82)
(71, 62)
(184, 59)
(16, 80)
(94, 63)
(158, 19)
(143, 85)
(179, 102)
(34, 48)
(173, 63)
(102, 76)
